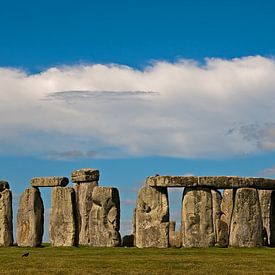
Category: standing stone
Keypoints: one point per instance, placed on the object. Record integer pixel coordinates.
(272, 220)
(227, 206)
(134, 225)
(174, 236)
(6, 232)
(84, 205)
(30, 218)
(104, 219)
(246, 223)
(152, 218)
(197, 218)
(63, 227)
(265, 203)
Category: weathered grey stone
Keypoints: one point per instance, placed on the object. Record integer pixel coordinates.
(265, 203)
(174, 236)
(216, 182)
(197, 218)
(6, 233)
(128, 240)
(104, 219)
(4, 185)
(227, 206)
(85, 175)
(246, 224)
(216, 204)
(30, 218)
(152, 218)
(84, 205)
(49, 181)
(63, 227)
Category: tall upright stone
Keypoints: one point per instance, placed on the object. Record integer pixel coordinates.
(63, 227)
(216, 204)
(197, 218)
(152, 218)
(6, 228)
(104, 220)
(246, 228)
(227, 206)
(30, 218)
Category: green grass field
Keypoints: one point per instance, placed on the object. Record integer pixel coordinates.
(86, 260)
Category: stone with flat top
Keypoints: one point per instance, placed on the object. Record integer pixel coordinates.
(49, 182)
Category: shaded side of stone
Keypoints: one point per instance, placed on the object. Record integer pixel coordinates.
(85, 175)
(6, 227)
(197, 218)
(104, 219)
(128, 240)
(4, 185)
(63, 221)
(30, 218)
(227, 206)
(49, 181)
(272, 220)
(152, 218)
(246, 228)
(84, 203)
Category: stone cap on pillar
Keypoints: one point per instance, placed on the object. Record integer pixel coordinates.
(85, 175)
(49, 182)
(4, 185)
(216, 182)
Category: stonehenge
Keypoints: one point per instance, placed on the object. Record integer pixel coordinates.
(225, 211)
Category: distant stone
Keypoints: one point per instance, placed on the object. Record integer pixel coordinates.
(214, 182)
(152, 218)
(227, 206)
(128, 240)
(4, 185)
(175, 238)
(134, 225)
(197, 218)
(84, 203)
(63, 227)
(104, 219)
(49, 181)
(246, 224)
(6, 232)
(30, 218)
(85, 175)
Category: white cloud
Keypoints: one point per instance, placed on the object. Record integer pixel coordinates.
(184, 109)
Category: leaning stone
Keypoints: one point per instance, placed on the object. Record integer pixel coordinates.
(104, 219)
(197, 218)
(4, 185)
(49, 182)
(30, 218)
(84, 205)
(63, 227)
(246, 223)
(6, 232)
(128, 240)
(85, 175)
(152, 218)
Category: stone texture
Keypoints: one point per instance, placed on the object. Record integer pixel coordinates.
(246, 228)
(30, 218)
(227, 206)
(49, 181)
(272, 220)
(104, 219)
(174, 236)
(4, 185)
(216, 182)
(152, 218)
(63, 227)
(84, 205)
(6, 233)
(128, 240)
(85, 175)
(197, 218)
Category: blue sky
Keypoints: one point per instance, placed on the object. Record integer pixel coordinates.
(135, 88)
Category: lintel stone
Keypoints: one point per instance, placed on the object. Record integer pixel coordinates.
(85, 175)
(215, 182)
(49, 181)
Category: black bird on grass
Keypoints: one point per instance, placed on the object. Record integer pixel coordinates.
(26, 254)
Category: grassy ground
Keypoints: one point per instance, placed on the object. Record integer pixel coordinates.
(86, 260)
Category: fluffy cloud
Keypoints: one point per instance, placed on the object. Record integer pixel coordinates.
(184, 109)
